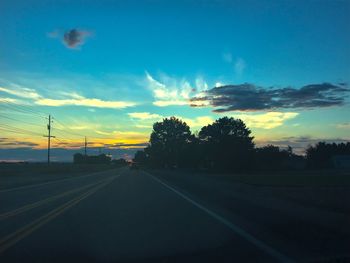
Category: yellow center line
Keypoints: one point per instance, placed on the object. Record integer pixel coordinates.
(45, 201)
(21, 233)
(101, 173)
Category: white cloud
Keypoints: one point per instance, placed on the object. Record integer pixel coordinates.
(73, 99)
(240, 66)
(21, 92)
(81, 127)
(170, 91)
(345, 125)
(198, 122)
(84, 102)
(145, 115)
(267, 120)
(227, 57)
(164, 103)
(8, 100)
(201, 85)
(72, 94)
(219, 84)
(102, 132)
(146, 119)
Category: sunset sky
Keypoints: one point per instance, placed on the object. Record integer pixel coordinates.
(109, 69)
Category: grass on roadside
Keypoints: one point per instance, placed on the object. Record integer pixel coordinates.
(295, 179)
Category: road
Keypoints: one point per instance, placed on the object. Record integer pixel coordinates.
(134, 216)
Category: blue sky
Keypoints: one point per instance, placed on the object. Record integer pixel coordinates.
(126, 64)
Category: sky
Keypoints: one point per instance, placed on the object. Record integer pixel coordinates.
(108, 70)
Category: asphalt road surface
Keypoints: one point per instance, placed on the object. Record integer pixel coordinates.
(134, 216)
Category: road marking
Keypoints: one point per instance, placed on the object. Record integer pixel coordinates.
(257, 242)
(51, 182)
(30, 206)
(21, 233)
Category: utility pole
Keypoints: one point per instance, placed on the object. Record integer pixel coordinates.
(49, 139)
(85, 145)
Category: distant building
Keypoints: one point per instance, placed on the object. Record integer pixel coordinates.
(341, 161)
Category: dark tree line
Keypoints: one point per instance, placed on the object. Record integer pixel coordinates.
(91, 159)
(322, 154)
(225, 145)
(79, 158)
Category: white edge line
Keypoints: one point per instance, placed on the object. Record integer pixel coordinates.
(258, 243)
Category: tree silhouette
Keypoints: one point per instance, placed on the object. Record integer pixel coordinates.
(226, 144)
(272, 157)
(320, 155)
(140, 157)
(91, 159)
(169, 141)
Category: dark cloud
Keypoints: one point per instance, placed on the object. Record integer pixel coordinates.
(248, 97)
(10, 143)
(74, 37)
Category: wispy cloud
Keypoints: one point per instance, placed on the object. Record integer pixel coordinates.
(248, 97)
(86, 102)
(197, 122)
(145, 115)
(103, 132)
(345, 125)
(146, 119)
(267, 120)
(15, 143)
(127, 145)
(227, 57)
(170, 91)
(73, 38)
(21, 92)
(71, 99)
(8, 100)
(238, 64)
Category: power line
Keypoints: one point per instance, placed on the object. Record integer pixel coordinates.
(67, 133)
(19, 132)
(22, 109)
(30, 123)
(18, 129)
(64, 132)
(72, 132)
(27, 108)
(62, 135)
